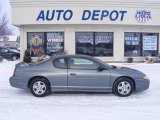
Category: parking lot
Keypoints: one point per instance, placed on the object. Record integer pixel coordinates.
(17, 104)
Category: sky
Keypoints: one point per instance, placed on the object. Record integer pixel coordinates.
(6, 8)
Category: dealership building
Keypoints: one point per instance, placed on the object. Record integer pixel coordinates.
(109, 30)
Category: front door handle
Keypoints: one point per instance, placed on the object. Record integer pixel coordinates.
(72, 73)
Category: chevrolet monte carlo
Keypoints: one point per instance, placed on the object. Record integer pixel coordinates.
(77, 73)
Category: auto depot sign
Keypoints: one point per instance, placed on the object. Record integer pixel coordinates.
(94, 15)
(86, 15)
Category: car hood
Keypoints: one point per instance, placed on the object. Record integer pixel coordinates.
(127, 71)
(126, 68)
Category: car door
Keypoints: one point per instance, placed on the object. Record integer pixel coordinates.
(83, 74)
(59, 76)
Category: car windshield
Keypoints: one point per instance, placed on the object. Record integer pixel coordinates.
(13, 50)
(102, 62)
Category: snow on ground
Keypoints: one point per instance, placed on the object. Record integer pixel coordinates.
(18, 104)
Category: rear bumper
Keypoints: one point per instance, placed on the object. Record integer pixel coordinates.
(142, 84)
(18, 82)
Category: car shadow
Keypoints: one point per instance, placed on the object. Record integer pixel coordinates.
(137, 94)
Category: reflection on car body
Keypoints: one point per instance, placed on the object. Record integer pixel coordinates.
(99, 51)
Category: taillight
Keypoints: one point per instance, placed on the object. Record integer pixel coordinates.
(14, 72)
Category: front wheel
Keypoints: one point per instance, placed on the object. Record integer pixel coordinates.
(123, 87)
(14, 57)
(40, 87)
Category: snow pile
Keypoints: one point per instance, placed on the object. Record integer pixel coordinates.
(17, 104)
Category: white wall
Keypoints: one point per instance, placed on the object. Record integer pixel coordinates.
(26, 12)
(69, 36)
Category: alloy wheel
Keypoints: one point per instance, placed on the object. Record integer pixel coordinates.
(124, 88)
(39, 88)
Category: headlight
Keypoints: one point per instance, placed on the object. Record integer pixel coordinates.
(145, 77)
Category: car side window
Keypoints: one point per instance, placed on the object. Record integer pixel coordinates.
(60, 63)
(82, 63)
(4, 50)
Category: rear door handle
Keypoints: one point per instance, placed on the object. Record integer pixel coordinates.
(72, 73)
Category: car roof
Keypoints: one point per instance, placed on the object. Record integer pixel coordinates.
(64, 55)
(72, 55)
(4, 47)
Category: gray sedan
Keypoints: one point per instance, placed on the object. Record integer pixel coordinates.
(77, 73)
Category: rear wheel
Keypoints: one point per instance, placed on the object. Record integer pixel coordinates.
(40, 87)
(123, 87)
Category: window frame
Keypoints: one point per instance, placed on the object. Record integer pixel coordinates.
(45, 39)
(141, 43)
(94, 46)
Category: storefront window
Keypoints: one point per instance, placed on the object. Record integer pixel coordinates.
(141, 44)
(132, 44)
(36, 43)
(55, 42)
(103, 44)
(94, 43)
(150, 44)
(41, 43)
(84, 43)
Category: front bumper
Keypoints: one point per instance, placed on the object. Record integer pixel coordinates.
(142, 84)
(18, 82)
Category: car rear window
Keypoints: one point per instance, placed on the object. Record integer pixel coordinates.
(60, 63)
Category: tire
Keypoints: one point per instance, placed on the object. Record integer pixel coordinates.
(1, 59)
(40, 87)
(14, 57)
(123, 87)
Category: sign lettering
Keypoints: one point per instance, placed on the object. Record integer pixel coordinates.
(92, 15)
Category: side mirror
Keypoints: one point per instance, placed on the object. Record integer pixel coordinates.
(100, 68)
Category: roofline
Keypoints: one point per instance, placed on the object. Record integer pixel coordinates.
(85, 3)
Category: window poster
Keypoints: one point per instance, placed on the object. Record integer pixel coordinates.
(54, 42)
(103, 38)
(149, 42)
(36, 45)
(131, 40)
(85, 38)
